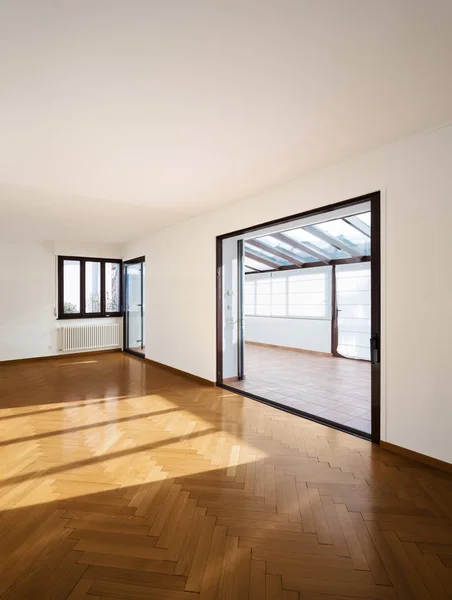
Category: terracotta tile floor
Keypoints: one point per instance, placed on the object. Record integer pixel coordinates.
(333, 388)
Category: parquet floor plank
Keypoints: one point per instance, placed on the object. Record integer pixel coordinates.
(201, 555)
(81, 589)
(123, 481)
(257, 580)
(434, 587)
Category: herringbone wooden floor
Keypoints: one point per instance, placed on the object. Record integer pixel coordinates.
(122, 481)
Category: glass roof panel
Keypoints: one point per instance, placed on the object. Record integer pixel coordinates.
(267, 255)
(249, 262)
(344, 232)
(364, 217)
(337, 229)
(305, 237)
(271, 241)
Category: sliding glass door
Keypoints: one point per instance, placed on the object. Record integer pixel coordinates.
(353, 301)
(134, 330)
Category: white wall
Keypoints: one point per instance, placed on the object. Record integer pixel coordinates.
(307, 334)
(28, 325)
(415, 177)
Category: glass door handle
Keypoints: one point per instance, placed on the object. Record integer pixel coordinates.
(374, 349)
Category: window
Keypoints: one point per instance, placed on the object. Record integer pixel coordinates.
(89, 287)
(296, 294)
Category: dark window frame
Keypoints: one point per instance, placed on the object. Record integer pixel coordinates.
(83, 314)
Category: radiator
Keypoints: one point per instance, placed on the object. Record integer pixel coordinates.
(89, 337)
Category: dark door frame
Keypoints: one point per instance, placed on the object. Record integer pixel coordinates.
(240, 312)
(375, 342)
(140, 259)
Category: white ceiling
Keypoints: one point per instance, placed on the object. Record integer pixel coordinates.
(119, 117)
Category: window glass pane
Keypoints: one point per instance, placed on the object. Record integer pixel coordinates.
(112, 281)
(92, 287)
(71, 285)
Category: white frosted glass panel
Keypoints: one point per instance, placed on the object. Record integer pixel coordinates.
(310, 285)
(297, 293)
(263, 310)
(263, 287)
(358, 297)
(353, 303)
(264, 299)
(278, 287)
(306, 311)
(354, 284)
(307, 299)
(353, 324)
(355, 311)
(279, 300)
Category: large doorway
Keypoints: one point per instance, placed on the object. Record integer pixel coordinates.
(299, 314)
(134, 306)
